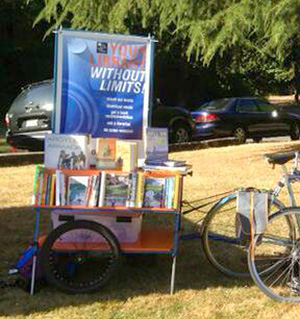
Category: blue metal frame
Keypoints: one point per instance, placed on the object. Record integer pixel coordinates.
(174, 252)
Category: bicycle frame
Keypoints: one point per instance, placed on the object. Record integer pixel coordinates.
(287, 180)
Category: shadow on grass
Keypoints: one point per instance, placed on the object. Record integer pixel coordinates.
(138, 275)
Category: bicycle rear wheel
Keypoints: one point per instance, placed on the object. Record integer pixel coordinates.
(274, 257)
(222, 242)
(80, 256)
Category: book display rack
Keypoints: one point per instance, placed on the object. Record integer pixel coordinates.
(94, 183)
(114, 200)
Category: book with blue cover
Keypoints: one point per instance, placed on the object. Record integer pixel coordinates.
(154, 192)
(77, 190)
(156, 144)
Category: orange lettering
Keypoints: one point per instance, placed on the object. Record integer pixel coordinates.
(133, 49)
(113, 48)
(91, 59)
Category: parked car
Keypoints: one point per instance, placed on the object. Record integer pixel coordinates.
(242, 118)
(28, 119)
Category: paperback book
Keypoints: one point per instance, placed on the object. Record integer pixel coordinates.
(116, 190)
(77, 190)
(156, 144)
(154, 192)
(64, 151)
(43, 186)
(106, 153)
(127, 155)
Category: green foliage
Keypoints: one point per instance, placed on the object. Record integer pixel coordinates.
(21, 48)
(247, 39)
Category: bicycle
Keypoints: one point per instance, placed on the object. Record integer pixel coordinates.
(274, 256)
(222, 240)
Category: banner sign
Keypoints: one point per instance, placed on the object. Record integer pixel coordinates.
(102, 84)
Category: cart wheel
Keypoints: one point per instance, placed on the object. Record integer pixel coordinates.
(80, 256)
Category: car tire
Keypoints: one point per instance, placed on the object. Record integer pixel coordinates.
(257, 139)
(295, 131)
(240, 135)
(180, 133)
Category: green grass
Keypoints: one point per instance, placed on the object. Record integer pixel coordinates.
(4, 147)
(141, 287)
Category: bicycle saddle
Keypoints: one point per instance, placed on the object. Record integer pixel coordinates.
(279, 159)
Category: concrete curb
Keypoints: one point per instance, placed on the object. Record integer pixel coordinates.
(27, 158)
(201, 145)
(24, 158)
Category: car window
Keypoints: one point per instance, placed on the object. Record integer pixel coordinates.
(215, 105)
(265, 107)
(247, 106)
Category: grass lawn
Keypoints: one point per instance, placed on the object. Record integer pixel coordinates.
(4, 147)
(141, 287)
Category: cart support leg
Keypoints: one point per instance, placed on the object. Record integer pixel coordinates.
(35, 247)
(173, 275)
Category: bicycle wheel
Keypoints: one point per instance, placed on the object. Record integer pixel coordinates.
(223, 245)
(79, 256)
(274, 257)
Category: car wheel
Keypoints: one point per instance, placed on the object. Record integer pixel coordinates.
(257, 139)
(295, 131)
(180, 133)
(240, 135)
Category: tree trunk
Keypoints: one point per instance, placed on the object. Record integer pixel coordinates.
(296, 73)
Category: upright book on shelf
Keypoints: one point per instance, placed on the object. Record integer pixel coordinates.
(154, 192)
(160, 189)
(78, 190)
(64, 151)
(115, 189)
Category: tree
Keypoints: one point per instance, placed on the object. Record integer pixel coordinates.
(234, 36)
(23, 59)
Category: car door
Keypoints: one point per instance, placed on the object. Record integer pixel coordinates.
(273, 121)
(248, 116)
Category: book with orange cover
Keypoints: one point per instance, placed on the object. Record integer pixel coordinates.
(106, 153)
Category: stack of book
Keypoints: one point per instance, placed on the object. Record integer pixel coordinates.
(95, 188)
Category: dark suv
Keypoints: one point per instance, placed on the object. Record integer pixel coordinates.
(28, 119)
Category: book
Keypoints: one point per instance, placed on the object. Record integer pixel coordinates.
(52, 194)
(182, 169)
(66, 151)
(132, 189)
(93, 151)
(77, 190)
(36, 184)
(167, 163)
(102, 189)
(139, 189)
(106, 153)
(93, 192)
(126, 155)
(176, 191)
(154, 192)
(156, 144)
(57, 187)
(116, 191)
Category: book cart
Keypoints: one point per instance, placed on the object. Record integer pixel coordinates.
(103, 88)
(83, 245)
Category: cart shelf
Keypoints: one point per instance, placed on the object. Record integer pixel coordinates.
(117, 210)
(151, 241)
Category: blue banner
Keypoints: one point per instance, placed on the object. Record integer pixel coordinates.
(102, 85)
